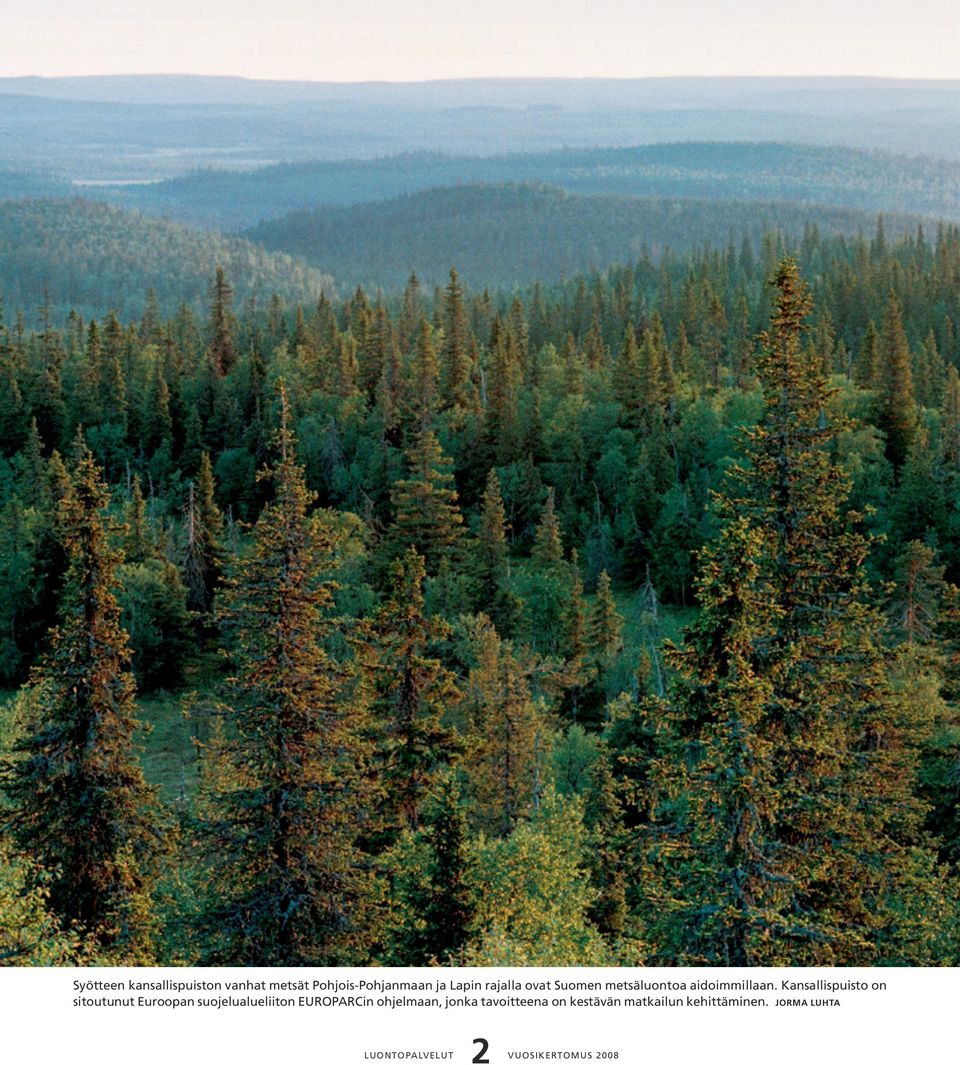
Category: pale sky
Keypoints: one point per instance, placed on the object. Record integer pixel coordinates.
(404, 40)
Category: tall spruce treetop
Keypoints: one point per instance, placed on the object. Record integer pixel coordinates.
(456, 383)
(286, 781)
(202, 555)
(412, 693)
(789, 778)
(222, 349)
(897, 416)
(548, 540)
(81, 806)
(492, 550)
(427, 511)
(425, 375)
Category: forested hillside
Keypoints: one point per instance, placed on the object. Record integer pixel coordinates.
(24, 184)
(610, 621)
(89, 256)
(509, 234)
(874, 181)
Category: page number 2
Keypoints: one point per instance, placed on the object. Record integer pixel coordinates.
(480, 1058)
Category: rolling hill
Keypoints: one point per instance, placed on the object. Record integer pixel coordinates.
(506, 234)
(874, 181)
(92, 255)
(151, 127)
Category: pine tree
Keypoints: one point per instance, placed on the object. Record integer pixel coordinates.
(284, 803)
(80, 805)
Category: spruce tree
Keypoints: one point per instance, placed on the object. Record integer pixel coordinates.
(430, 894)
(897, 416)
(492, 551)
(493, 594)
(448, 909)
(506, 736)
(412, 694)
(787, 786)
(285, 795)
(221, 344)
(425, 376)
(501, 421)
(548, 541)
(18, 538)
(202, 553)
(80, 805)
(603, 818)
(950, 422)
(427, 511)
(867, 371)
(138, 543)
(456, 385)
(605, 624)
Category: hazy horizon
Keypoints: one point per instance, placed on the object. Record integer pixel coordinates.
(511, 77)
(374, 40)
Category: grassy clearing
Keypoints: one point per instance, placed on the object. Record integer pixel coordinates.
(168, 753)
(165, 739)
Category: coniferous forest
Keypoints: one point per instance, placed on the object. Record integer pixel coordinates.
(611, 620)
